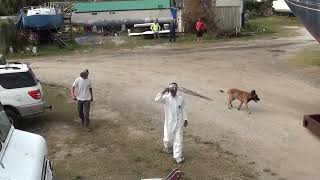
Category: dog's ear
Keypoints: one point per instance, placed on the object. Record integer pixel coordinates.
(253, 91)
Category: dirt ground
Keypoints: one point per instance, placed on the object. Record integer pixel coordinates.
(271, 143)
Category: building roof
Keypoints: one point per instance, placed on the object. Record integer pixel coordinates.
(121, 5)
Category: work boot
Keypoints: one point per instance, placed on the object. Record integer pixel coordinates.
(180, 159)
(167, 150)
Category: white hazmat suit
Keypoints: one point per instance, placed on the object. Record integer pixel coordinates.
(175, 115)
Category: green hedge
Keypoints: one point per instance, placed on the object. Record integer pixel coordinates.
(263, 8)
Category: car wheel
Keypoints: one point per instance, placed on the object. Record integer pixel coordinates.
(13, 117)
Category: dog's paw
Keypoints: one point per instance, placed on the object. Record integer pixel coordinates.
(249, 112)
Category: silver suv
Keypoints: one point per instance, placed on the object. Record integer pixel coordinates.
(21, 93)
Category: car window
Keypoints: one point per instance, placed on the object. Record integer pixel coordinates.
(33, 75)
(5, 125)
(17, 80)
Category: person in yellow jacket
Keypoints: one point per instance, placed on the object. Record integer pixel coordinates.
(155, 27)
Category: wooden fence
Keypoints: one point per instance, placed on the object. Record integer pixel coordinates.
(228, 18)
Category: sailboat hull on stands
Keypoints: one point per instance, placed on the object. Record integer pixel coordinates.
(308, 11)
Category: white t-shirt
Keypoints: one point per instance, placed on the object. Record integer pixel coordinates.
(82, 87)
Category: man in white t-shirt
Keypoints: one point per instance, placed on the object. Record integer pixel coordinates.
(82, 92)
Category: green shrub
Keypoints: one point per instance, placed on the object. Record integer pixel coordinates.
(263, 8)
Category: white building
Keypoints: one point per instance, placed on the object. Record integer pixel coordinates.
(228, 13)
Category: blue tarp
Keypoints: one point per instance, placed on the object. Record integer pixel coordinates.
(173, 12)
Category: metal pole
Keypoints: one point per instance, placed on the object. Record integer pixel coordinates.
(3, 48)
(2, 41)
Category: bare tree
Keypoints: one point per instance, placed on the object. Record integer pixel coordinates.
(266, 9)
(204, 9)
(263, 8)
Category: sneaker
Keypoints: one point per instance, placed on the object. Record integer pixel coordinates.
(180, 159)
(167, 150)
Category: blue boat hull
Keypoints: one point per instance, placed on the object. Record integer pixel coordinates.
(308, 11)
(42, 22)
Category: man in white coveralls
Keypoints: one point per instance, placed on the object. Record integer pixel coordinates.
(175, 120)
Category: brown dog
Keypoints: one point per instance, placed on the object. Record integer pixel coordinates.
(242, 96)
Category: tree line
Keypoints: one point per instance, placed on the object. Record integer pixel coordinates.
(12, 7)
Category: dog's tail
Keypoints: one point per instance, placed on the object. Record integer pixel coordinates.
(222, 91)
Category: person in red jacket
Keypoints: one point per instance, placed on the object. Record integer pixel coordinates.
(200, 27)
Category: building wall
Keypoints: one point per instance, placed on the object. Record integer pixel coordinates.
(121, 17)
(224, 3)
(180, 21)
(228, 14)
(228, 18)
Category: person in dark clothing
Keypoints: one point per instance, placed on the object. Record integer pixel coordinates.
(173, 28)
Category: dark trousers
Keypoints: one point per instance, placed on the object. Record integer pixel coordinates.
(84, 109)
(172, 36)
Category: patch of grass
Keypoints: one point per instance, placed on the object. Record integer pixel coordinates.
(111, 152)
(274, 25)
(138, 41)
(50, 50)
(188, 38)
(182, 38)
(262, 26)
(307, 57)
(128, 43)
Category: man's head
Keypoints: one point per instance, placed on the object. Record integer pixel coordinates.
(156, 20)
(173, 89)
(84, 74)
